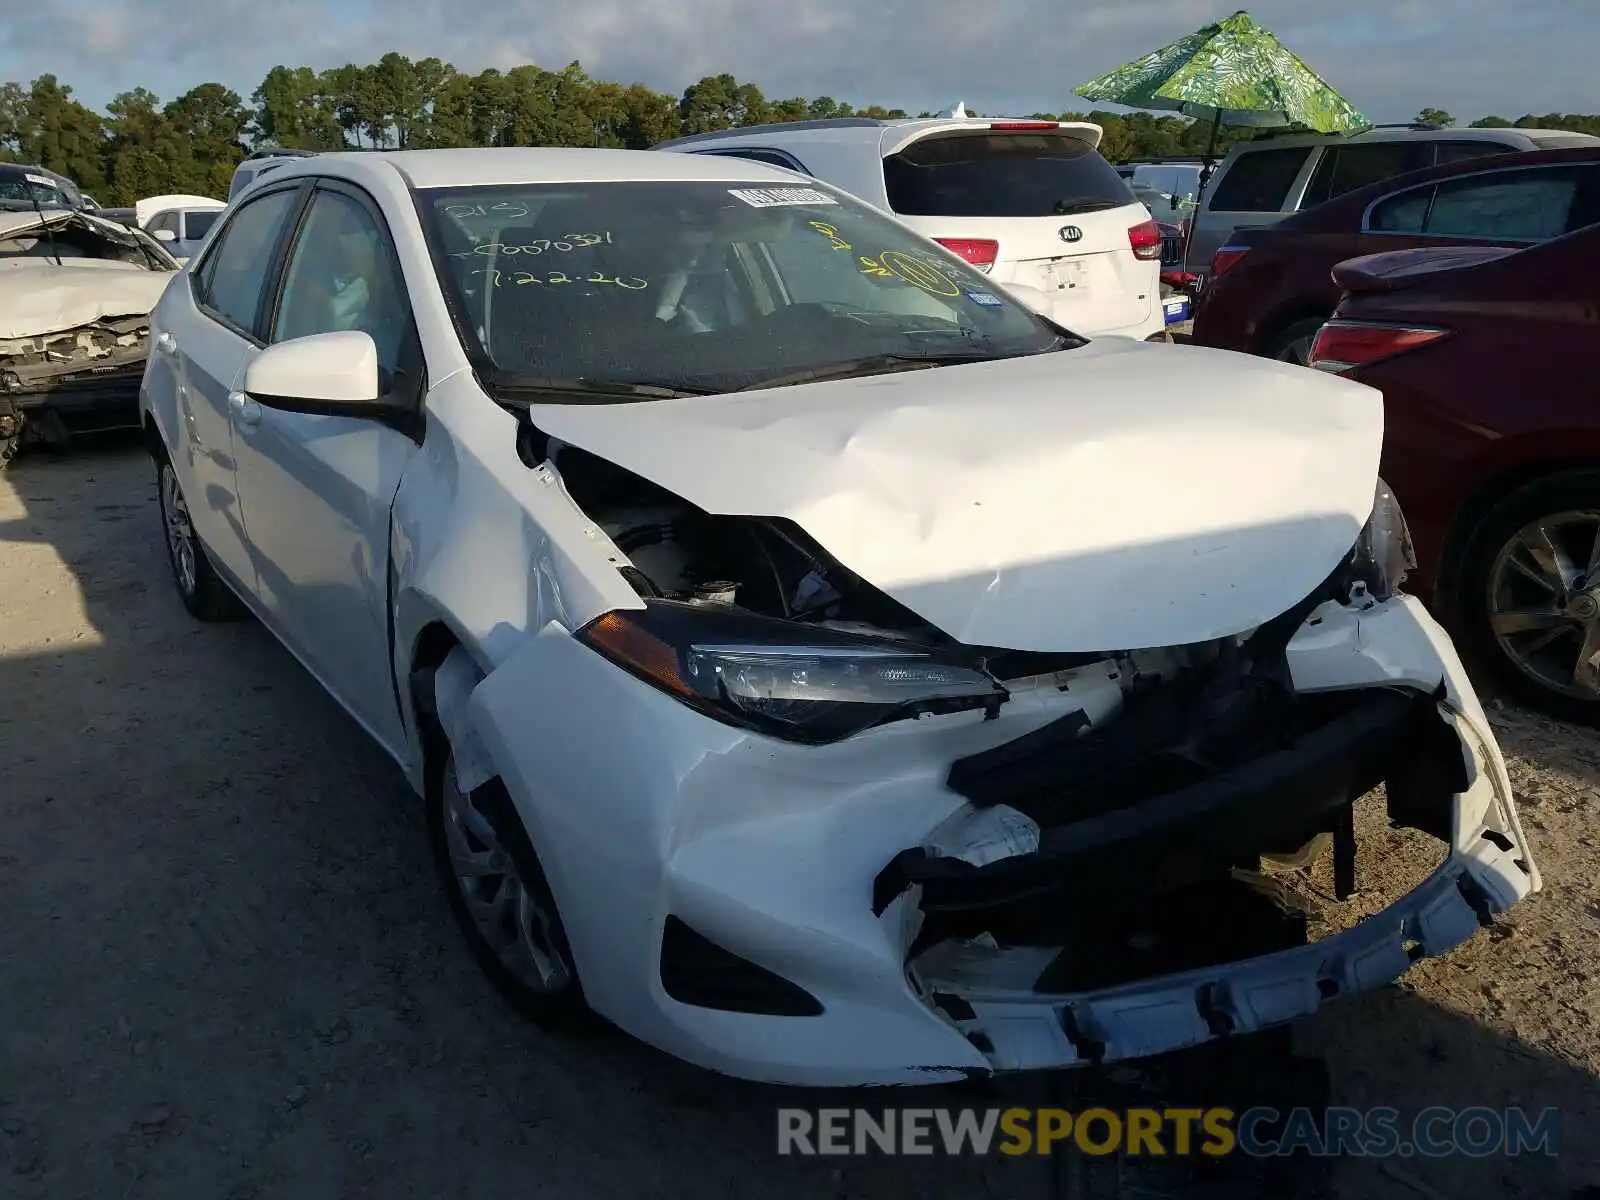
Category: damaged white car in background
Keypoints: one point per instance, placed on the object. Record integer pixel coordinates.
(811, 660)
(76, 292)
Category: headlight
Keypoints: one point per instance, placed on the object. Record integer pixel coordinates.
(1383, 555)
(804, 683)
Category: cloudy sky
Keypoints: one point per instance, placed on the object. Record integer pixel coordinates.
(1391, 57)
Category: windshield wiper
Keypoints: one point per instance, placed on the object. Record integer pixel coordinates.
(1083, 204)
(601, 390)
(876, 364)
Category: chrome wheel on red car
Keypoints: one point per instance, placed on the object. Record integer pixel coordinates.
(1530, 594)
(1544, 602)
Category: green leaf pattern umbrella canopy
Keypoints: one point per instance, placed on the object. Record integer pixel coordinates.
(1234, 69)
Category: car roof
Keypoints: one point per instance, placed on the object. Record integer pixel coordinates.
(487, 167)
(1337, 213)
(1378, 133)
(886, 136)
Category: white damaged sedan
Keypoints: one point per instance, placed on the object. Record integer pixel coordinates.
(812, 661)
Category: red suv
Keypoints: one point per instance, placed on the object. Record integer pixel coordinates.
(1486, 360)
(1271, 288)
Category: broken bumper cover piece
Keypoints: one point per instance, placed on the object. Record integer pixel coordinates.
(1278, 801)
(1021, 1031)
(768, 852)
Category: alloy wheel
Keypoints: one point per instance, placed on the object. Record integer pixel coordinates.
(180, 530)
(1297, 351)
(1544, 602)
(514, 919)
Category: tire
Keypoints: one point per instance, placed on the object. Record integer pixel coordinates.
(511, 923)
(10, 442)
(200, 588)
(1292, 343)
(1503, 584)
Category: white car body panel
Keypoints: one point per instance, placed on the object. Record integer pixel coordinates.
(355, 544)
(926, 491)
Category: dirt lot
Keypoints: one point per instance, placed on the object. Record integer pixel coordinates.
(226, 969)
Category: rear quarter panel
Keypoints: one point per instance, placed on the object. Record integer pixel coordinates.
(1510, 395)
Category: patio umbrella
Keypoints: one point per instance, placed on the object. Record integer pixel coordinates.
(1234, 72)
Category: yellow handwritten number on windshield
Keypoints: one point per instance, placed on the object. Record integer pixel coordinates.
(631, 283)
(831, 232)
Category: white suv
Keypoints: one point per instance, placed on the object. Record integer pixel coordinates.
(1030, 202)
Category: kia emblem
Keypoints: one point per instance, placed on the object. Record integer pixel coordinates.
(1071, 233)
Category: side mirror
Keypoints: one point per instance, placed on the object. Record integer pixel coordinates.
(165, 235)
(331, 373)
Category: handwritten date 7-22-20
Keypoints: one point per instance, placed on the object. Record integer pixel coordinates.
(499, 278)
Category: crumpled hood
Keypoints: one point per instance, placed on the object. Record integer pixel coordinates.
(46, 298)
(1117, 496)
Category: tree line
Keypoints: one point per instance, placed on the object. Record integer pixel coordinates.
(140, 146)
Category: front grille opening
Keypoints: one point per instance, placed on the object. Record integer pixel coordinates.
(695, 970)
(1154, 861)
(1278, 900)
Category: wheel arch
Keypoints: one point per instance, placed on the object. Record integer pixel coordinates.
(435, 639)
(1290, 315)
(154, 443)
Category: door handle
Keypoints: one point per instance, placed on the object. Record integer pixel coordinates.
(166, 343)
(245, 410)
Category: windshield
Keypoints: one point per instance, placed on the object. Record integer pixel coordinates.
(705, 286)
(30, 187)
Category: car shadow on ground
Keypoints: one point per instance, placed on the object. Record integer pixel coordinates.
(228, 971)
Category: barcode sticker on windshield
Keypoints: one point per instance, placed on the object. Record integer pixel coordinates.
(774, 197)
(41, 180)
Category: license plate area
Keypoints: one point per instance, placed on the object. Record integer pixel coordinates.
(1065, 275)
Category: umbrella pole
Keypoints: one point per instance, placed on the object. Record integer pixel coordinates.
(1211, 154)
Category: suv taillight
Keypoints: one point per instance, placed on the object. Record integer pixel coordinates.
(980, 252)
(1226, 258)
(1145, 238)
(1345, 345)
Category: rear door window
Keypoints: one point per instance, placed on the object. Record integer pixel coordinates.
(1527, 205)
(1405, 213)
(1513, 205)
(1001, 175)
(231, 278)
(1346, 168)
(1259, 180)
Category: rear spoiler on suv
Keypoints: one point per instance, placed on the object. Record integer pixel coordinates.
(897, 138)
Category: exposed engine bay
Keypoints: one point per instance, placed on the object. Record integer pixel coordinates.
(764, 565)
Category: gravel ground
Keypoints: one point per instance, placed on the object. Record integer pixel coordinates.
(226, 968)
